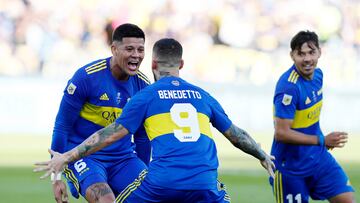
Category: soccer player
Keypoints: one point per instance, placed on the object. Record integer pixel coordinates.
(94, 98)
(176, 116)
(304, 165)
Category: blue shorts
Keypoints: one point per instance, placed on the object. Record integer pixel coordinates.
(141, 191)
(88, 171)
(327, 181)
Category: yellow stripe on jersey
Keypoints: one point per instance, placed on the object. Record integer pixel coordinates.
(131, 187)
(100, 115)
(96, 65)
(98, 69)
(161, 124)
(278, 188)
(70, 176)
(293, 77)
(143, 77)
(307, 117)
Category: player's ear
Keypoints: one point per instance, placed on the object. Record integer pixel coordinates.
(292, 55)
(181, 64)
(113, 49)
(153, 64)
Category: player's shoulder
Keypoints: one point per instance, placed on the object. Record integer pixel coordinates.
(92, 68)
(140, 76)
(289, 79)
(318, 72)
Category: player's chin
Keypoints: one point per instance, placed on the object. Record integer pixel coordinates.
(132, 71)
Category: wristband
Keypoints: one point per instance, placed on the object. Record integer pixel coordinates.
(58, 176)
(321, 140)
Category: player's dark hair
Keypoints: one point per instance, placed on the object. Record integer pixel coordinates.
(127, 30)
(168, 51)
(302, 37)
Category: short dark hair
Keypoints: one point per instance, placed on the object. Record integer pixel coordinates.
(127, 30)
(302, 37)
(168, 51)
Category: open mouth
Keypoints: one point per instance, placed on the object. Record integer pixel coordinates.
(133, 66)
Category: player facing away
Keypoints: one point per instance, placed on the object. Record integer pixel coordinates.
(304, 166)
(94, 98)
(177, 117)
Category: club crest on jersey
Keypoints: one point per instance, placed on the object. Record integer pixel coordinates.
(71, 88)
(175, 83)
(286, 99)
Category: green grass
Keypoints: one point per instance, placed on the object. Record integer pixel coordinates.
(245, 179)
(20, 184)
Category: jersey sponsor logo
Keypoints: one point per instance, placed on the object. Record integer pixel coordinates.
(286, 99)
(104, 97)
(307, 101)
(100, 115)
(71, 88)
(307, 117)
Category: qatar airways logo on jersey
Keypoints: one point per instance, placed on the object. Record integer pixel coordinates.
(179, 94)
(110, 116)
(314, 114)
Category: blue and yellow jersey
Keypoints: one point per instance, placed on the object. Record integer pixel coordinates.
(97, 99)
(177, 116)
(299, 100)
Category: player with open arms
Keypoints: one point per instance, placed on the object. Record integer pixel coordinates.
(304, 165)
(176, 116)
(94, 98)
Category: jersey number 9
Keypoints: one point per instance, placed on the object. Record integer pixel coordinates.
(185, 116)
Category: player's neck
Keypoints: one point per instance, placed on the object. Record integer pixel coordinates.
(117, 72)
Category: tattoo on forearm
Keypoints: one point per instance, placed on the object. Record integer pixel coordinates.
(97, 140)
(242, 140)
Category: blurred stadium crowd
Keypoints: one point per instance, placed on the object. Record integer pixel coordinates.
(245, 41)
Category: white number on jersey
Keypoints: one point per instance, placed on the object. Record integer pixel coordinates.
(80, 165)
(185, 115)
(290, 198)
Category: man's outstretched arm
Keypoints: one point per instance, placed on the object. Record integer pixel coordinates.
(95, 142)
(243, 141)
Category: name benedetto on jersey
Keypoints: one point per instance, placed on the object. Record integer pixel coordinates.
(176, 116)
(299, 100)
(101, 99)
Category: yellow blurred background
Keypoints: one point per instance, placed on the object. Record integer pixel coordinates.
(235, 49)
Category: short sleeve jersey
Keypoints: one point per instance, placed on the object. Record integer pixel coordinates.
(300, 100)
(101, 98)
(177, 116)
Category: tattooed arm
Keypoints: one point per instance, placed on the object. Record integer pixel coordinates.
(95, 142)
(243, 141)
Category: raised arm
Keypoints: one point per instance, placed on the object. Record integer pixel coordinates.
(243, 141)
(95, 142)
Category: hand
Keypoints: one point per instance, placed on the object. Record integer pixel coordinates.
(336, 139)
(60, 193)
(269, 165)
(55, 165)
